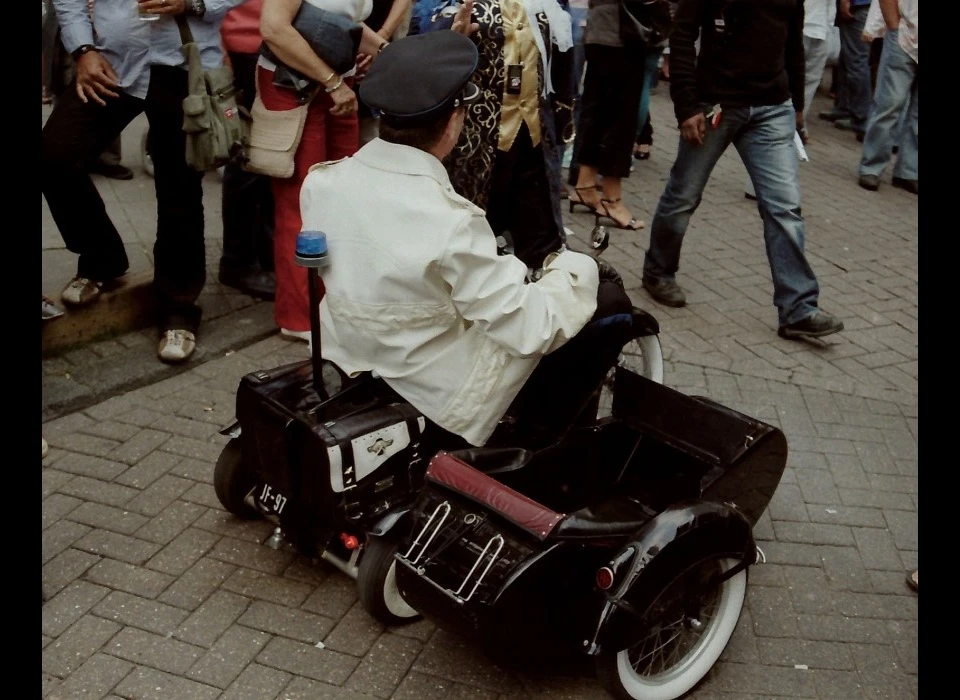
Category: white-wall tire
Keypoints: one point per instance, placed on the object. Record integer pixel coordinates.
(632, 674)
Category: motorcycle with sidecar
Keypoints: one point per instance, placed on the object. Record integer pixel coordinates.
(628, 539)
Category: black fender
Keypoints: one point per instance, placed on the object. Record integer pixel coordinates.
(684, 530)
(389, 521)
(643, 323)
(232, 430)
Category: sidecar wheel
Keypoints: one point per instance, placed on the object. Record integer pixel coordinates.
(377, 584)
(643, 356)
(232, 481)
(690, 627)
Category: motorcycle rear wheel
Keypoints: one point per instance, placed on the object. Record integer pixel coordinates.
(690, 626)
(643, 356)
(232, 481)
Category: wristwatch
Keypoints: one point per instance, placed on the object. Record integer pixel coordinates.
(82, 49)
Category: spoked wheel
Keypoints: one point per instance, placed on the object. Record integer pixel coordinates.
(690, 622)
(643, 356)
(232, 481)
(377, 583)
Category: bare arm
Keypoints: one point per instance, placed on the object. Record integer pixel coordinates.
(891, 14)
(288, 45)
(397, 12)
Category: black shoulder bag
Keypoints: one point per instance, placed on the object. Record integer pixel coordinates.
(647, 22)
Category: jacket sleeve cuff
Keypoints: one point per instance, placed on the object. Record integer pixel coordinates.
(582, 267)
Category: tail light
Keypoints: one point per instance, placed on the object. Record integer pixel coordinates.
(349, 541)
(604, 578)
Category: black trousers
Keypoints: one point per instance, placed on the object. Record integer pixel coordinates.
(247, 200)
(74, 135)
(520, 201)
(608, 113)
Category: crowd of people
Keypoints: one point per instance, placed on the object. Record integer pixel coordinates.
(561, 86)
(452, 278)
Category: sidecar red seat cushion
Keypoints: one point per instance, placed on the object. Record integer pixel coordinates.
(458, 476)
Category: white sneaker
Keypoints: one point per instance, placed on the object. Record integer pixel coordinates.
(176, 345)
(81, 291)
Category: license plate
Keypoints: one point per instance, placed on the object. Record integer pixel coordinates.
(271, 500)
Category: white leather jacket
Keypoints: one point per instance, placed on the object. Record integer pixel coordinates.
(416, 291)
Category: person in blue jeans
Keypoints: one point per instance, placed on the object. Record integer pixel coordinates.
(855, 101)
(897, 98)
(745, 88)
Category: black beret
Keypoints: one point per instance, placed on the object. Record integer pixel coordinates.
(415, 78)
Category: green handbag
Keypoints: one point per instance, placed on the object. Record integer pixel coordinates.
(217, 127)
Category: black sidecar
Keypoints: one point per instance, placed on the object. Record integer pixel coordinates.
(629, 541)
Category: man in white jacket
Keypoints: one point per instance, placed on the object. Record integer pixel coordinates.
(415, 289)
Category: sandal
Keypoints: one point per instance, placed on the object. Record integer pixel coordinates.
(634, 224)
(581, 202)
(642, 151)
(913, 580)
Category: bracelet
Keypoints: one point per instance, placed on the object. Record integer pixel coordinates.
(335, 87)
(382, 47)
(325, 80)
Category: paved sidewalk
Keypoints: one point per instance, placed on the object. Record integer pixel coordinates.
(154, 592)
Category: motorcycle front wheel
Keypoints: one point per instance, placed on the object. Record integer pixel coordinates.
(643, 356)
(690, 623)
(233, 480)
(377, 584)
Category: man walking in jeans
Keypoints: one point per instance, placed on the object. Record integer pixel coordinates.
(898, 87)
(746, 88)
(855, 98)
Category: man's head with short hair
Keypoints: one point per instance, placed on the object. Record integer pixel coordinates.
(425, 137)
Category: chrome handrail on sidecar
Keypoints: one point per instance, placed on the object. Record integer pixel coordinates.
(493, 559)
(423, 530)
(496, 541)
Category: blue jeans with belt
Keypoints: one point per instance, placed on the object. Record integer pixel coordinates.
(763, 136)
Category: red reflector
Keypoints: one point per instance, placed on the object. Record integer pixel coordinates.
(604, 578)
(349, 541)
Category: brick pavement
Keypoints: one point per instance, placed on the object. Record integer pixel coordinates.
(155, 592)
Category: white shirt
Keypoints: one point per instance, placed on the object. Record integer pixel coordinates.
(818, 18)
(874, 27)
(908, 32)
(416, 291)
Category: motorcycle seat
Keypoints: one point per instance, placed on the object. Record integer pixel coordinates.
(618, 515)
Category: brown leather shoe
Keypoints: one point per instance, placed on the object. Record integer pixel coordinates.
(911, 186)
(817, 325)
(666, 292)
